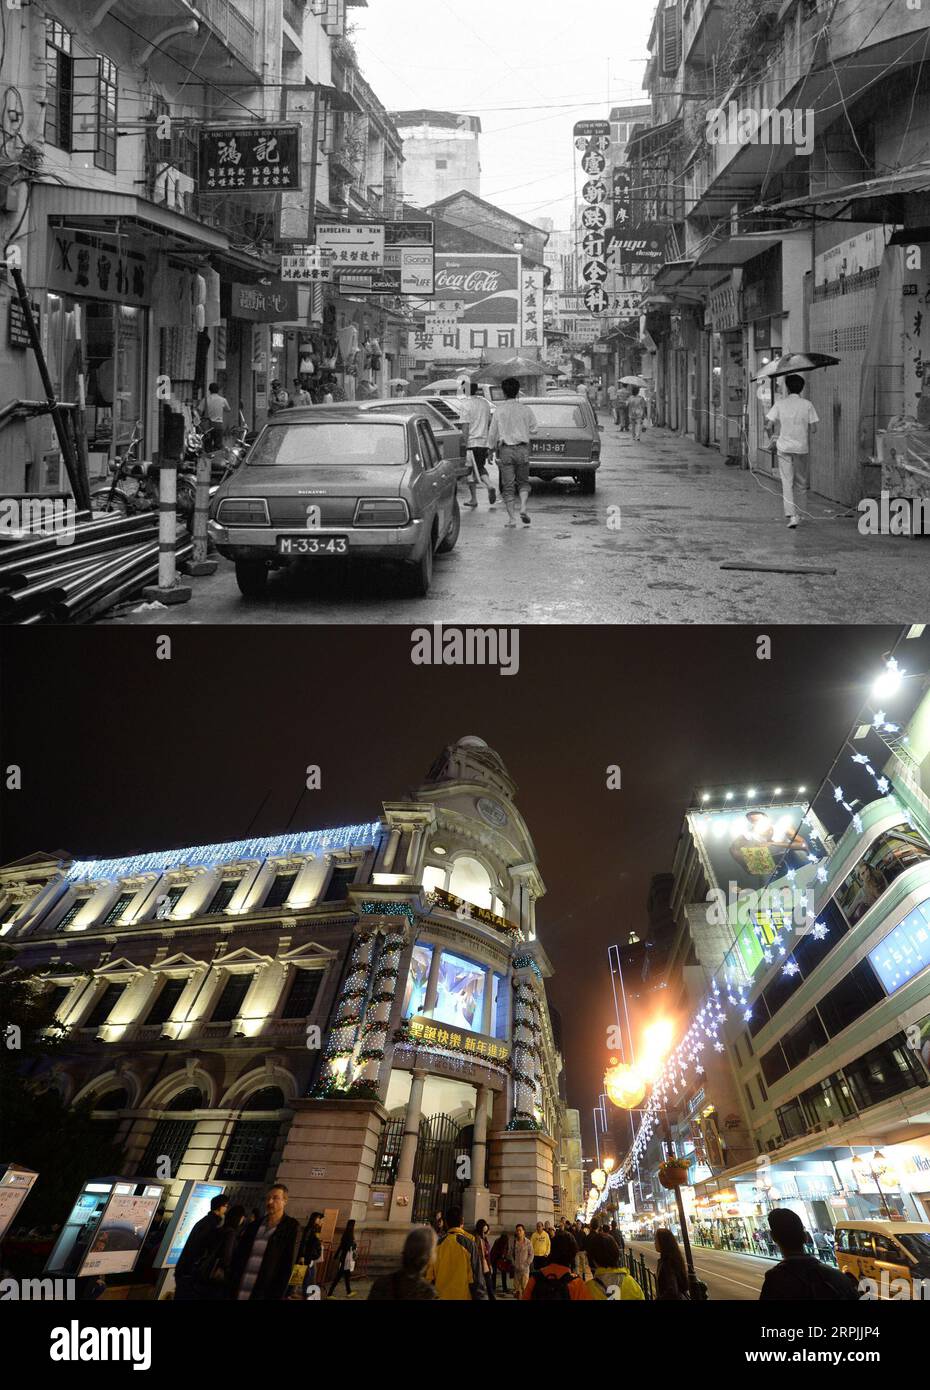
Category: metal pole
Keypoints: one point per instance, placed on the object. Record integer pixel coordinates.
(315, 154)
(79, 483)
(597, 1146)
(697, 1290)
(614, 988)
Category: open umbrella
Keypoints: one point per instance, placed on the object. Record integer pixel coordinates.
(633, 381)
(796, 362)
(516, 366)
(398, 381)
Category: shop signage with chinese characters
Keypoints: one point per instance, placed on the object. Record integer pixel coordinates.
(723, 307)
(306, 265)
(18, 335)
(274, 303)
(408, 233)
(407, 270)
(357, 246)
(441, 323)
(249, 159)
(533, 296)
(101, 270)
(432, 1034)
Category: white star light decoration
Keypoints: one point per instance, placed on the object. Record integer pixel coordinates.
(792, 968)
(819, 930)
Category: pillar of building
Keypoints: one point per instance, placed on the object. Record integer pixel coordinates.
(432, 984)
(329, 1157)
(521, 1170)
(404, 1189)
(476, 1202)
(308, 884)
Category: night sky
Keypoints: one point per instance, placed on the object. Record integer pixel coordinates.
(122, 752)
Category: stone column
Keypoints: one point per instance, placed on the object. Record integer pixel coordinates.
(237, 901)
(402, 1197)
(390, 851)
(486, 1019)
(476, 1201)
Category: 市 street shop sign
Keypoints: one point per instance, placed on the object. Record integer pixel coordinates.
(590, 129)
(249, 159)
(274, 303)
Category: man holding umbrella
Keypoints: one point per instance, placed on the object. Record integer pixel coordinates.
(791, 423)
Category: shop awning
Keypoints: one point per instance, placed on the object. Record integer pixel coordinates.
(714, 262)
(91, 210)
(653, 140)
(871, 199)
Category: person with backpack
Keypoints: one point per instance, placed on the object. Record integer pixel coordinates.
(801, 1277)
(409, 1283)
(556, 1281)
(345, 1260)
(604, 1258)
(457, 1270)
(521, 1253)
(671, 1271)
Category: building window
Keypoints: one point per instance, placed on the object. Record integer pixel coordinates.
(249, 1151)
(670, 39)
(169, 902)
(752, 1103)
(760, 1016)
(804, 1039)
(230, 1001)
(442, 164)
(70, 915)
(855, 994)
(302, 994)
(884, 1072)
(338, 883)
(104, 1006)
(762, 1091)
(280, 889)
(460, 997)
(59, 68)
(479, 338)
(417, 980)
(118, 908)
(191, 1098)
(811, 950)
(506, 339)
(905, 951)
(169, 1138)
(773, 1064)
(893, 852)
(115, 1099)
(164, 1002)
(55, 998)
(791, 1120)
(223, 896)
(105, 153)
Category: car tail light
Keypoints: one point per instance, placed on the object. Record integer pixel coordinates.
(382, 511)
(243, 511)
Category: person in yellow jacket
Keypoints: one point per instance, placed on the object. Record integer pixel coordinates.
(611, 1280)
(541, 1245)
(457, 1269)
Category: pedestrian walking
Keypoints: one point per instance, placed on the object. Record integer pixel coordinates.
(791, 423)
(216, 407)
(219, 1273)
(609, 1273)
(192, 1270)
(345, 1260)
(264, 1257)
(484, 1249)
(612, 391)
(512, 427)
(801, 1277)
(457, 1270)
(521, 1252)
(556, 1280)
(301, 395)
(637, 412)
(541, 1244)
(438, 1223)
(279, 398)
(671, 1271)
(479, 424)
(311, 1248)
(409, 1283)
(623, 408)
(501, 1262)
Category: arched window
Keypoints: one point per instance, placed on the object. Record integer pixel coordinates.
(191, 1098)
(471, 881)
(268, 1098)
(117, 1098)
(433, 877)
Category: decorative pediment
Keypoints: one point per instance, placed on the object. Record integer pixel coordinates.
(310, 953)
(242, 957)
(180, 962)
(122, 966)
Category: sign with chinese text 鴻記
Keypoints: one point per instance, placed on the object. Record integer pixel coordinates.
(356, 246)
(249, 159)
(274, 303)
(431, 1033)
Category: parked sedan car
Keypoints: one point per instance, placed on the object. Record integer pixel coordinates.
(320, 483)
(568, 444)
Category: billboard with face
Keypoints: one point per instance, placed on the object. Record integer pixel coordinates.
(753, 846)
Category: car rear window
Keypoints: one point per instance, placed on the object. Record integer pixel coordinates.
(332, 442)
(565, 415)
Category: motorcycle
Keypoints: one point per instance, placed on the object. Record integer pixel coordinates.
(134, 486)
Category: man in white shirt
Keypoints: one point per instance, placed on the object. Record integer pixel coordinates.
(791, 423)
(512, 427)
(479, 423)
(217, 407)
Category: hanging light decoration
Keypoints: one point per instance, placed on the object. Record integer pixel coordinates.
(623, 1085)
(599, 1178)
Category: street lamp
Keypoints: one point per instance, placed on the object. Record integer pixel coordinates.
(518, 244)
(875, 1168)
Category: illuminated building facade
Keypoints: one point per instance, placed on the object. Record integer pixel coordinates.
(359, 1012)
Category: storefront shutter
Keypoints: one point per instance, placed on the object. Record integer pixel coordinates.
(670, 39)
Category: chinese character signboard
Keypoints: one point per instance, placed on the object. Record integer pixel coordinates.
(274, 303)
(249, 159)
(408, 233)
(356, 246)
(441, 323)
(103, 271)
(592, 140)
(533, 298)
(306, 265)
(432, 1033)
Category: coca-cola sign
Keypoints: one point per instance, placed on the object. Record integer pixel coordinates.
(488, 285)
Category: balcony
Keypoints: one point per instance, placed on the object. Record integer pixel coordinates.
(232, 27)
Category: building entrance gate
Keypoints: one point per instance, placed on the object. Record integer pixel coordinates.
(440, 1145)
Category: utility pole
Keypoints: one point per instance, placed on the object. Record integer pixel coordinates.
(696, 1288)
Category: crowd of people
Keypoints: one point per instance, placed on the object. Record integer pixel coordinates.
(232, 1256)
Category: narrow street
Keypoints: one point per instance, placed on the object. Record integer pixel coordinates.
(726, 1274)
(683, 514)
